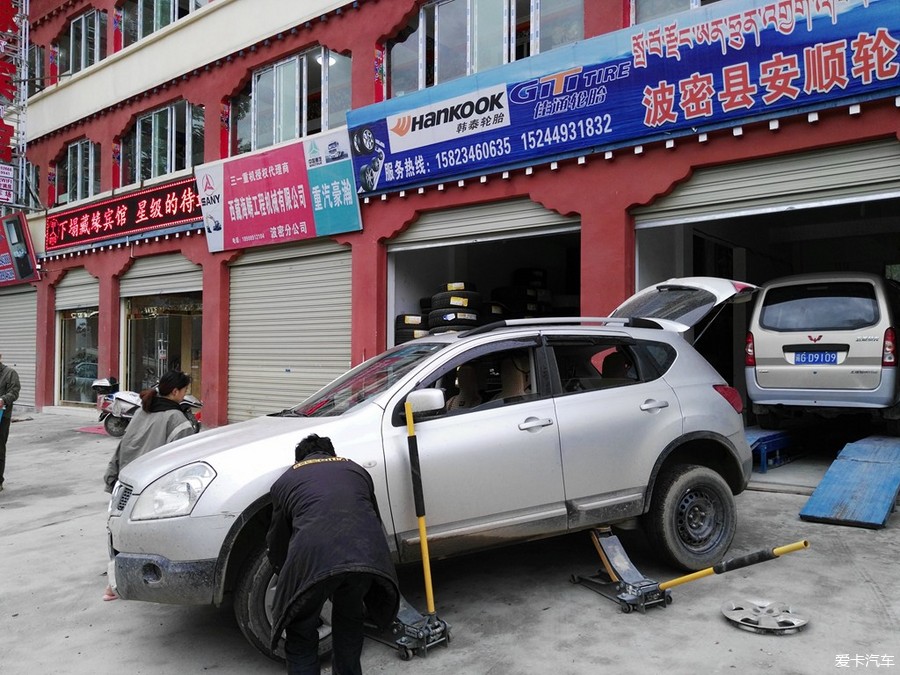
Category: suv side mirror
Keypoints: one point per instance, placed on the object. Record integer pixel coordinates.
(424, 401)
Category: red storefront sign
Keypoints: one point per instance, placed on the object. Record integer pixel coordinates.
(155, 208)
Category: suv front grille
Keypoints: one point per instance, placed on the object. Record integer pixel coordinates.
(124, 496)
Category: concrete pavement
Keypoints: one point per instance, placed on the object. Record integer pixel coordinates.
(512, 611)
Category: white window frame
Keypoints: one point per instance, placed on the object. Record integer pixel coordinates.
(693, 4)
(508, 29)
(300, 93)
(88, 52)
(79, 151)
(160, 21)
(154, 117)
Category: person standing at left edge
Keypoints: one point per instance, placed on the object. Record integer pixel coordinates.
(327, 541)
(9, 392)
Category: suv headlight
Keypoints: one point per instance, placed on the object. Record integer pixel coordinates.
(174, 494)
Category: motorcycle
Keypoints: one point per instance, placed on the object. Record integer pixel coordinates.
(118, 407)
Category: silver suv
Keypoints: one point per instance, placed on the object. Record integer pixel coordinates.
(575, 423)
(824, 344)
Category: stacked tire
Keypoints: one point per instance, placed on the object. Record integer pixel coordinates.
(409, 327)
(455, 307)
(528, 295)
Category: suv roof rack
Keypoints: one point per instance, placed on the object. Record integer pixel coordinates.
(636, 322)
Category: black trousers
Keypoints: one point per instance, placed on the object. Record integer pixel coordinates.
(301, 645)
(4, 436)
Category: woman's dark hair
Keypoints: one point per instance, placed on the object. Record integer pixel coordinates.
(172, 380)
(312, 444)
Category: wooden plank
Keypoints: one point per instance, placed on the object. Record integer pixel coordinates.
(860, 487)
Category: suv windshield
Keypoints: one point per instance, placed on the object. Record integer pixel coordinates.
(367, 380)
(819, 306)
(684, 304)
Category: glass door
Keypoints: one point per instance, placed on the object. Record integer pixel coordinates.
(164, 333)
(78, 358)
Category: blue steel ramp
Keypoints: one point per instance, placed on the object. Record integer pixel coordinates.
(860, 487)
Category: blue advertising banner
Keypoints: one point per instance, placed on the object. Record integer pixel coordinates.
(720, 65)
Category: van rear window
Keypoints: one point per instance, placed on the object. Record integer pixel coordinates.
(820, 306)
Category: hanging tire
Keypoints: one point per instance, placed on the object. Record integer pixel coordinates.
(115, 426)
(692, 517)
(253, 598)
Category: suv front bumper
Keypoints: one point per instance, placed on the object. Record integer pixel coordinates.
(154, 578)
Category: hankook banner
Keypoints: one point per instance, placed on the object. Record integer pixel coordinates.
(715, 66)
(295, 191)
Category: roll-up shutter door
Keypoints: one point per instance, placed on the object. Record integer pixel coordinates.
(841, 175)
(77, 289)
(18, 337)
(499, 220)
(155, 275)
(289, 328)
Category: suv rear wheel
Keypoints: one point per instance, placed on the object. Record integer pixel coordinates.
(692, 517)
(253, 607)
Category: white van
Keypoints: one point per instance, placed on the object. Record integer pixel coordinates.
(824, 344)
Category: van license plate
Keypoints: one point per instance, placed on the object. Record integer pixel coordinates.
(815, 358)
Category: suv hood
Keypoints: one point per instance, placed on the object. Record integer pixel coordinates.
(684, 302)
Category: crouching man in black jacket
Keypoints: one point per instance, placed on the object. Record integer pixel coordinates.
(326, 541)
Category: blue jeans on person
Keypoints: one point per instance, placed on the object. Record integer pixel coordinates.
(301, 644)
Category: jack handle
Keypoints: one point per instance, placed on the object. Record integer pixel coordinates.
(737, 563)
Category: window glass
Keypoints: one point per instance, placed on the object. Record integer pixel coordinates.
(367, 380)
(450, 29)
(179, 129)
(160, 153)
(820, 306)
(77, 45)
(35, 69)
(264, 97)
(489, 38)
(286, 86)
(141, 18)
(339, 100)
(403, 57)
(78, 173)
(242, 121)
(313, 93)
(198, 139)
(562, 23)
(594, 364)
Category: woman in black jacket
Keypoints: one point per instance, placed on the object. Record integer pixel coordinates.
(326, 540)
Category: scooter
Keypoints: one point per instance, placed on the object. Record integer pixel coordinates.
(118, 407)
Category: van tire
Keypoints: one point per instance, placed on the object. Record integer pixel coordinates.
(692, 517)
(253, 607)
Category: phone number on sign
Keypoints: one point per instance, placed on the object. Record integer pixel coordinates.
(476, 152)
(567, 132)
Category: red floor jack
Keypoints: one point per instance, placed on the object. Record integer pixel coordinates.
(621, 582)
(413, 633)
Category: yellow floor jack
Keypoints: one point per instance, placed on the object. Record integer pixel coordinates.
(621, 582)
(413, 633)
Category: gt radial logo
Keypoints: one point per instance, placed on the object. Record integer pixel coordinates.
(450, 119)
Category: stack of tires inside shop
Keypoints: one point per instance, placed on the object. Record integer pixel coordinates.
(458, 306)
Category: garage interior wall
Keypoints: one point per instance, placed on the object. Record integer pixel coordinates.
(289, 332)
(18, 338)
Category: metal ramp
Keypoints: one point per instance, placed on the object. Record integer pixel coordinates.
(860, 487)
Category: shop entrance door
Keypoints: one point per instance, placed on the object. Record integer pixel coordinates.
(164, 333)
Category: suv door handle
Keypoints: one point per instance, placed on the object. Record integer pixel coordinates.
(652, 404)
(533, 423)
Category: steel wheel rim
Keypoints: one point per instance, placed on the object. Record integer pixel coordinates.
(698, 518)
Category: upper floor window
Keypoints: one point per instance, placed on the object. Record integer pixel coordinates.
(140, 18)
(646, 10)
(448, 39)
(83, 43)
(32, 186)
(78, 173)
(301, 95)
(35, 69)
(162, 141)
